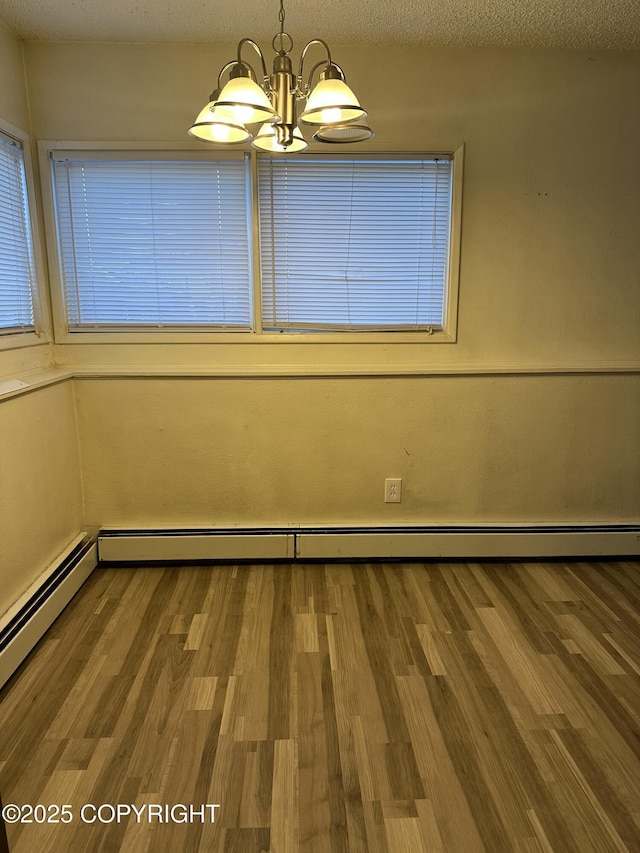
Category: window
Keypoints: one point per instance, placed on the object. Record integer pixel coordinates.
(153, 244)
(281, 244)
(354, 244)
(17, 271)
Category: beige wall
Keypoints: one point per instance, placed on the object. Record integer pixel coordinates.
(40, 500)
(529, 420)
(13, 100)
(280, 451)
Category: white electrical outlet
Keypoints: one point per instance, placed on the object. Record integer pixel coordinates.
(393, 490)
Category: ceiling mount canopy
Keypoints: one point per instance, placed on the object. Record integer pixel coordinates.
(331, 109)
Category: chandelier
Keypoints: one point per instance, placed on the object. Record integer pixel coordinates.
(331, 108)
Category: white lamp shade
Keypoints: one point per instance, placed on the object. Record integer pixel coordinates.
(353, 132)
(217, 124)
(246, 100)
(332, 102)
(266, 140)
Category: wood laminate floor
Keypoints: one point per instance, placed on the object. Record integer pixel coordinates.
(448, 708)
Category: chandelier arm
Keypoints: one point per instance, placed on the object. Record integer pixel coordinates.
(327, 61)
(222, 71)
(322, 63)
(256, 47)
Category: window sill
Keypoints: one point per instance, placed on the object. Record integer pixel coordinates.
(18, 340)
(265, 338)
(142, 371)
(27, 382)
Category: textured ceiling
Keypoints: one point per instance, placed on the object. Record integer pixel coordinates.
(545, 23)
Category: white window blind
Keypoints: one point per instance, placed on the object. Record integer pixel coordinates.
(148, 244)
(354, 244)
(17, 274)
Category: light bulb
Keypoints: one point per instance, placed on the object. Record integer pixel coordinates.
(220, 132)
(331, 115)
(244, 114)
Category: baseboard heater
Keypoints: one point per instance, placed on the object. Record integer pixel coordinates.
(27, 620)
(368, 543)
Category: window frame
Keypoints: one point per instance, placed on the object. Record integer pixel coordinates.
(176, 151)
(308, 327)
(241, 182)
(39, 334)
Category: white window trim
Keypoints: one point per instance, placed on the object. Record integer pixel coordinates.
(41, 335)
(448, 333)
